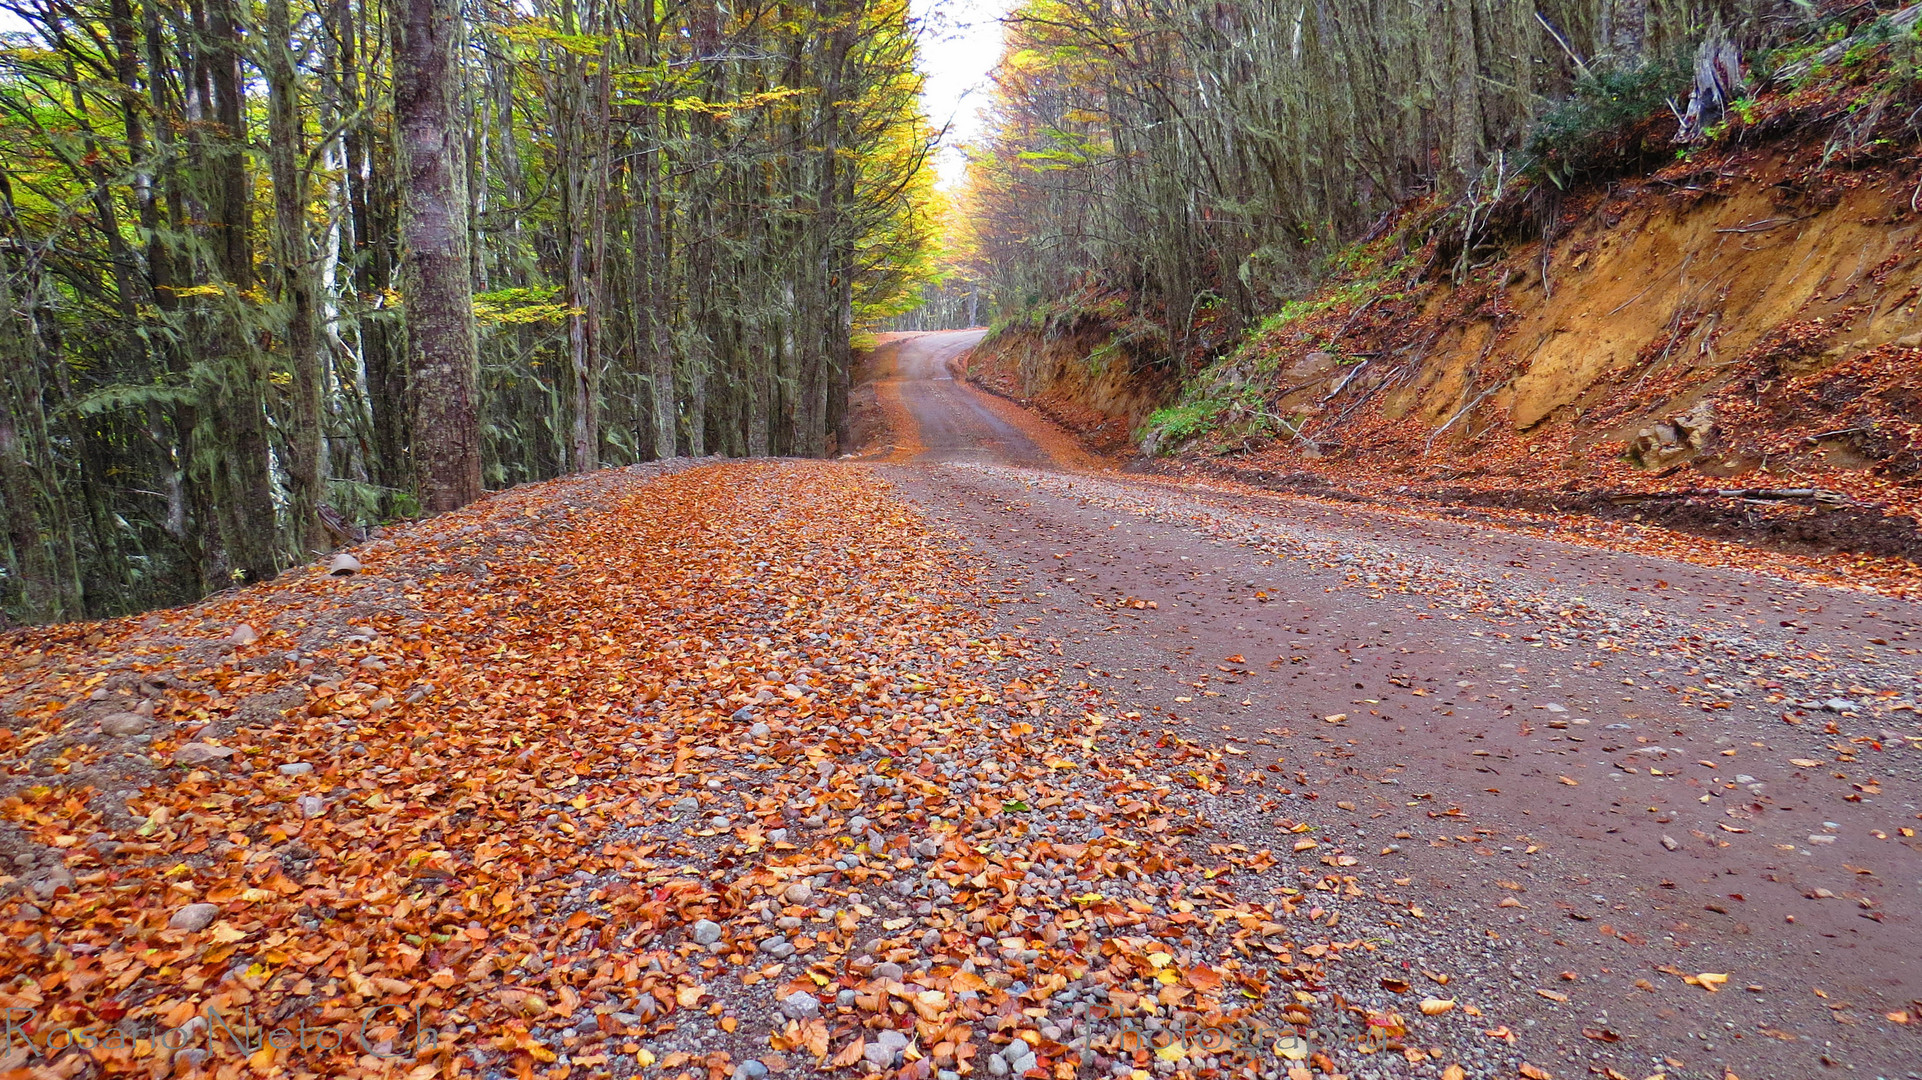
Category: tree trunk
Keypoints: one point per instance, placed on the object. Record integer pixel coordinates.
(247, 492)
(294, 257)
(436, 292)
(49, 592)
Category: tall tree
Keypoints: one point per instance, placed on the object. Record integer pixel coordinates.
(443, 374)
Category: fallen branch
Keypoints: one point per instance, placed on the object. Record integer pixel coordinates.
(1820, 495)
(1897, 22)
(1859, 430)
(1350, 377)
(1464, 411)
(1763, 225)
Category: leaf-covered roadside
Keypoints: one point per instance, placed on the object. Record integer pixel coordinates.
(718, 773)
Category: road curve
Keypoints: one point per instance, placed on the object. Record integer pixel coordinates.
(1567, 777)
(953, 422)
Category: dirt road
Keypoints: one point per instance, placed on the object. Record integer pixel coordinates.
(1584, 784)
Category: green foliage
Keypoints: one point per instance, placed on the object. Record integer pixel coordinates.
(1585, 131)
(1177, 424)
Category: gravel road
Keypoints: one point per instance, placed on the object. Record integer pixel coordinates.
(1575, 781)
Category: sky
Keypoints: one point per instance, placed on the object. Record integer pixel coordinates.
(961, 40)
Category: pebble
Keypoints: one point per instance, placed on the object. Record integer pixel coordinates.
(125, 723)
(311, 806)
(798, 893)
(742, 715)
(1670, 842)
(194, 917)
(889, 971)
(706, 932)
(296, 768)
(197, 753)
(801, 1005)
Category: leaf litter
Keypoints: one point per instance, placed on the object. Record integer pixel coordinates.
(688, 774)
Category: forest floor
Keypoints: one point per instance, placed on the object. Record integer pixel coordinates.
(972, 756)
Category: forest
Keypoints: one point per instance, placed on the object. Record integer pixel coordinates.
(1208, 160)
(273, 271)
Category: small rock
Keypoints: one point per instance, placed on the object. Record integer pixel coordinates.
(776, 836)
(311, 806)
(244, 635)
(1670, 842)
(889, 971)
(1841, 705)
(798, 893)
(646, 1005)
(750, 1069)
(742, 715)
(343, 565)
(878, 1055)
(759, 731)
(125, 723)
(194, 917)
(197, 753)
(845, 998)
(801, 1005)
(893, 1040)
(296, 768)
(997, 1066)
(777, 946)
(706, 932)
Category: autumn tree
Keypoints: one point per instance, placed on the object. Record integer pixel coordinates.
(271, 272)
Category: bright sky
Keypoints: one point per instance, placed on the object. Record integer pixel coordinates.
(960, 42)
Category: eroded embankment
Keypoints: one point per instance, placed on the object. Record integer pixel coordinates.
(1728, 346)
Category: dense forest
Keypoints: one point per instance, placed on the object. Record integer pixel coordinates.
(1207, 159)
(274, 270)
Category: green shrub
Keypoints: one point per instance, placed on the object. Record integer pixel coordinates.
(1166, 429)
(1592, 129)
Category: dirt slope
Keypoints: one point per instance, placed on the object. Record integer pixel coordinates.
(1728, 346)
